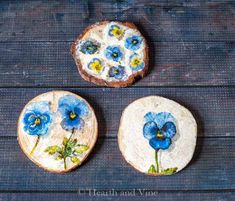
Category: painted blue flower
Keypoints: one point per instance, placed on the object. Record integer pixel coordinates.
(133, 42)
(136, 62)
(37, 118)
(159, 129)
(89, 47)
(113, 53)
(118, 72)
(116, 31)
(72, 111)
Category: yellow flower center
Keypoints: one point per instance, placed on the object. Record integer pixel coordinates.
(37, 121)
(135, 62)
(117, 32)
(114, 54)
(72, 115)
(134, 42)
(96, 66)
(160, 135)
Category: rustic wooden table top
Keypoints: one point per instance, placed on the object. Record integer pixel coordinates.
(192, 60)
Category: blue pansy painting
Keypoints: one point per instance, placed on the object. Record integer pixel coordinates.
(72, 110)
(116, 31)
(117, 72)
(113, 53)
(159, 129)
(133, 43)
(37, 120)
(89, 47)
(136, 62)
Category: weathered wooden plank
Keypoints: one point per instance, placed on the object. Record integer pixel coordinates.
(213, 108)
(211, 169)
(161, 21)
(131, 195)
(50, 64)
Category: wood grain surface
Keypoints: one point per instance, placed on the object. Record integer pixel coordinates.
(192, 61)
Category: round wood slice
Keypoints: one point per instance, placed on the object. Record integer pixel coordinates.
(57, 130)
(157, 136)
(111, 53)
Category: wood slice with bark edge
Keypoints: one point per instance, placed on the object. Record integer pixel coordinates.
(22, 135)
(90, 78)
(133, 117)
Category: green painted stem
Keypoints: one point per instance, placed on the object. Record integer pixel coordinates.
(36, 144)
(65, 165)
(156, 159)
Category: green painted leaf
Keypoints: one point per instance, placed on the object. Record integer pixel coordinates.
(47, 149)
(74, 159)
(81, 149)
(152, 170)
(169, 170)
(65, 141)
(52, 149)
(59, 158)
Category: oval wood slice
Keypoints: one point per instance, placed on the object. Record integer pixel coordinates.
(111, 53)
(157, 136)
(57, 130)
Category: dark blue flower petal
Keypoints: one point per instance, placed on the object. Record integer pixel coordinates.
(133, 42)
(29, 117)
(117, 72)
(150, 130)
(33, 129)
(160, 143)
(169, 129)
(113, 53)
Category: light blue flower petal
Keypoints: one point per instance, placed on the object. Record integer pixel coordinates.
(46, 118)
(163, 117)
(150, 130)
(69, 124)
(64, 109)
(169, 129)
(39, 107)
(81, 109)
(68, 100)
(150, 116)
(160, 144)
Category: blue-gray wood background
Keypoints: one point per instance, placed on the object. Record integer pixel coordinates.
(192, 61)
